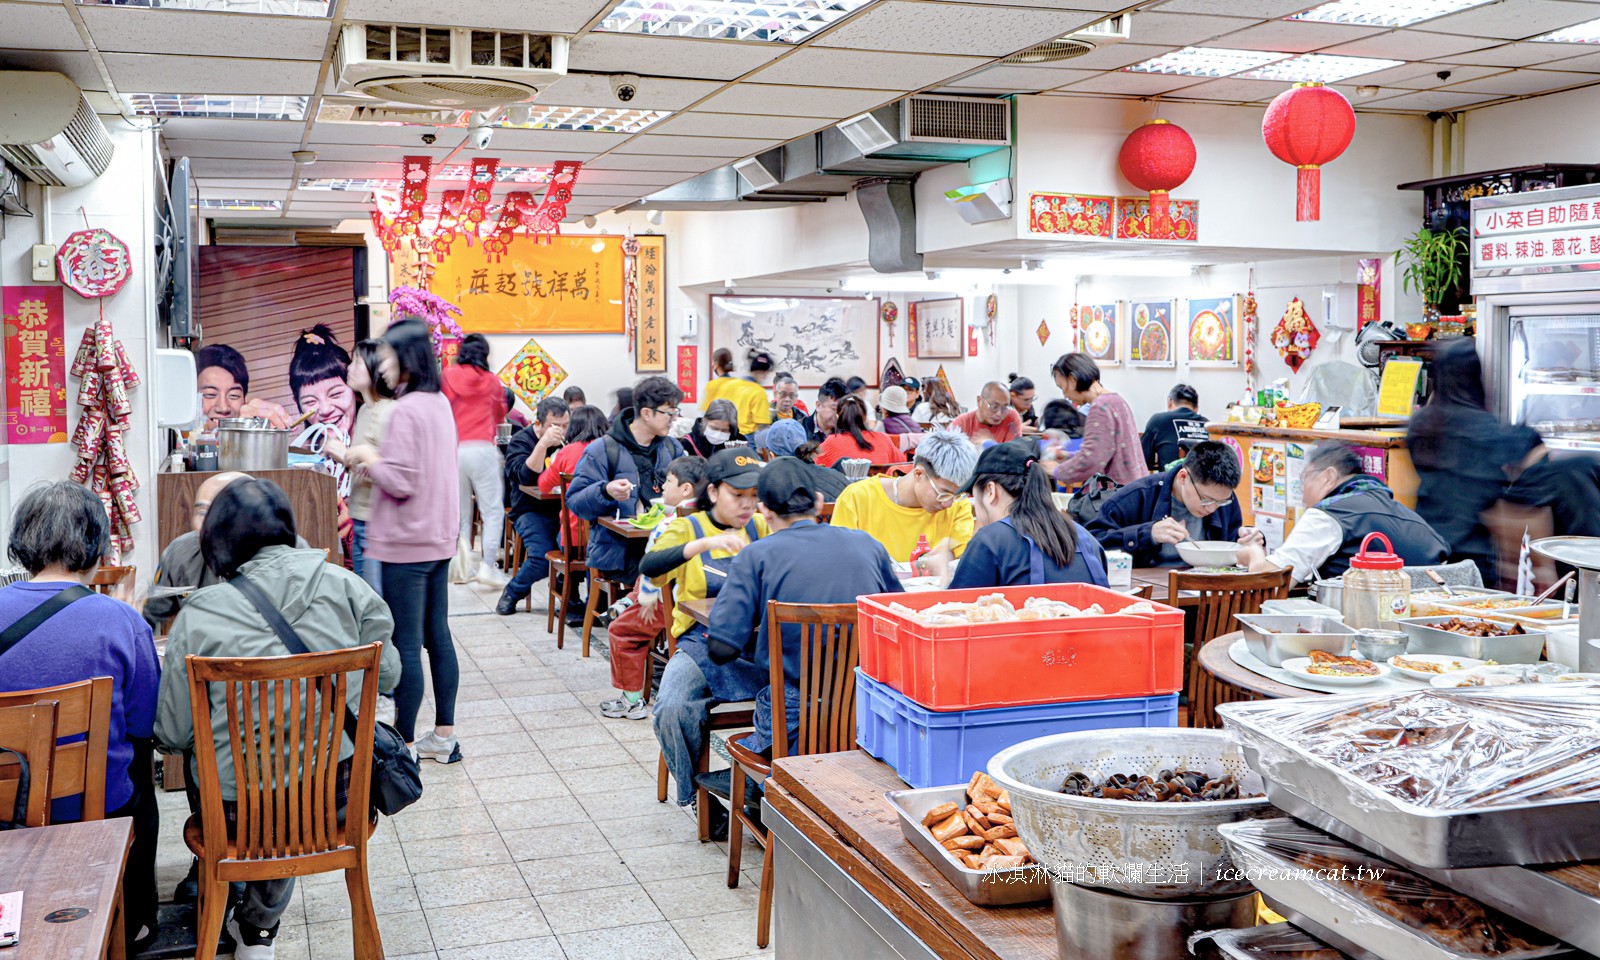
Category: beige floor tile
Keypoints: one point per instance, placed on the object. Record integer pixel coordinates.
(615, 780)
(670, 826)
(536, 720)
(585, 758)
(539, 948)
(327, 898)
(483, 726)
(643, 751)
(544, 701)
(445, 822)
(599, 909)
(437, 795)
(292, 942)
(575, 735)
(451, 853)
(476, 691)
(574, 875)
(563, 840)
(532, 786)
(658, 941)
(387, 860)
(497, 744)
(628, 731)
(548, 811)
(452, 888)
(618, 806)
(472, 709)
(687, 897)
(489, 922)
(402, 933)
(506, 765)
(675, 860)
(721, 936)
(513, 687)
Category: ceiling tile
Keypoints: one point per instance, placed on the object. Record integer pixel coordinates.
(220, 167)
(655, 93)
(1524, 82)
(1182, 30)
(1432, 100)
(205, 128)
(231, 149)
(144, 73)
(1114, 56)
(1584, 64)
(223, 183)
(1134, 84)
(1514, 19)
(1102, 6)
(380, 134)
(1410, 45)
(639, 161)
(954, 28)
(559, 141)
(670, 56)
(1424, 76)
(852, 68)
(548, 16)
(1521, 54)
(696, 146)
(38, 27)
(78, 67)
(1022, 79)
(246, 193)
(1265, 9)
(786, 101)
(637, 178)
(1235, 91)
(143, 30)
(699, 124)
(1291, 36)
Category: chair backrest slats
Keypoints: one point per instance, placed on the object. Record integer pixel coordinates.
(29, 729)
(573, 548)
(84, 712)
(828, 655)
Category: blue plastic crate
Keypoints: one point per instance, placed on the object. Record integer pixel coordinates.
(930, 748)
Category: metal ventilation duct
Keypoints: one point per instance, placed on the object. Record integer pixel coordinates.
(890, 209)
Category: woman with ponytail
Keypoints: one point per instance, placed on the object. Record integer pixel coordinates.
(1022, 538)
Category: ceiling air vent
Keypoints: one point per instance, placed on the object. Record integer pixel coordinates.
(1106, 32)
(448, 67)
(927, 118)
(334, 110)
(755, 174)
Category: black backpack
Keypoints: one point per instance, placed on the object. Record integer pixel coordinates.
(1086, 504)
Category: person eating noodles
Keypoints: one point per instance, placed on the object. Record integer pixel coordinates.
(1148, 518)
(922, 505)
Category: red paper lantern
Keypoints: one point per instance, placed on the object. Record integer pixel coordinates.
(1308, 126)
(1157, 158)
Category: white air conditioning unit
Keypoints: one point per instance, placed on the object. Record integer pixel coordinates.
(1108, 31)
(48, 131)
(448, 67)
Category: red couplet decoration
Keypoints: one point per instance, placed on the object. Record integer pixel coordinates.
(1308, 126)
(1157, 158)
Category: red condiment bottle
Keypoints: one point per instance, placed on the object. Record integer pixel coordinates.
(921, 548)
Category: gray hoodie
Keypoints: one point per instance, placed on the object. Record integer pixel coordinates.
(328, 606)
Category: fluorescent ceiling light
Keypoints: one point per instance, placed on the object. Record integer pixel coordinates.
(1587, 32)
(1319, 67)
(280, 8)
(224, 107)
(1385, 13)
(585, 119)
(777, 21)
(212, 203)
(1207, 62)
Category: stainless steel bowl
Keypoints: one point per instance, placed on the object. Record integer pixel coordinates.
(1095, 925)
(1274, 639)
(1427, 638)
(1380, 645)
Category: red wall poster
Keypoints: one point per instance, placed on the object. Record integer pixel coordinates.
(36, 365)
(688, 361)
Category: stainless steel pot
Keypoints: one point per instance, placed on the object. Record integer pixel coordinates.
(250, 443)
(1096, 925)
(1330, 593)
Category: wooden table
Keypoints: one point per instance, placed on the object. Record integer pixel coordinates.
(536, 493)
(698, 610)
(68, 867)
(623, 528)
(835, 801)
(1214, 660)
(1156, 578)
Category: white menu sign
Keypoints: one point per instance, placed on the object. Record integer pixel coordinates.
(1549, 232)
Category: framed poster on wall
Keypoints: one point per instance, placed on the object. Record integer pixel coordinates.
(939, 323)
(1100, 330)
(559, 286)
(812, 338)
(1150, 333)
(1213, 333)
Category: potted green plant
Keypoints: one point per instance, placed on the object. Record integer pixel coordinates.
(1431, 264)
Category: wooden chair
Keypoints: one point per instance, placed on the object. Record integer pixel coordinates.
(566, 563)
(889, 469)
(29, 729)
(515, 550)
(1143, 591)
(825, 515)
(285, 722)
(827, 719)
(1218, 597)
(115, 581)
(79, 766)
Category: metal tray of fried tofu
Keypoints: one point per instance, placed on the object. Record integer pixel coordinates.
(986, 888)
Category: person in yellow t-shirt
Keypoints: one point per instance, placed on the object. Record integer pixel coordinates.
(721, 375)
(897, 511)
(749, 393)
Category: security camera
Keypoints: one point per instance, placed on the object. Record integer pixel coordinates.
(479, 130)
(429, 138)
(625, 86)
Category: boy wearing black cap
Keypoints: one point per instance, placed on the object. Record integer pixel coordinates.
(803, 562)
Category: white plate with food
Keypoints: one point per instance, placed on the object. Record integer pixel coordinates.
(1335, 671)
(1426, 666)
(1511, 674)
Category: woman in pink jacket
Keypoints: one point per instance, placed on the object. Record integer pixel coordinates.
(1110, 434)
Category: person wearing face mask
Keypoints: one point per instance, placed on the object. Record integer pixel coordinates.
(713, 431)
(900, 510)
(1193, 501)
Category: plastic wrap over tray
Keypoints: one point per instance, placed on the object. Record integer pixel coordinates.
(1444, 778)
(1276, 941)
(1375, 904)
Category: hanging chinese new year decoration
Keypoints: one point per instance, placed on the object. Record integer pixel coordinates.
(1248, 316)
(105, 377)
(1157, 158)
(1043, 332)
(93, 263)
(546, 220)
(1308, 125)
(991, 311)
(532, 374)
(1295, 336)
(889, 313)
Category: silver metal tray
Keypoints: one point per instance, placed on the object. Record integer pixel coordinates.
(1276, 638)
(998, 888)
(1254, 943)
(1530, 895)
(1426, 638)
(1548, 832)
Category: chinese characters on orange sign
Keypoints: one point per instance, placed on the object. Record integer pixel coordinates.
(1369, 283)
(36, 365)
(650, 328)
(688, 375)
(560, 287)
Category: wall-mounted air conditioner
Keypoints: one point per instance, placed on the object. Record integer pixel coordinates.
(48, 131)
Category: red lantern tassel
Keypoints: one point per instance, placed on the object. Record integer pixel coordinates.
(1160, 215)
(1308, 193)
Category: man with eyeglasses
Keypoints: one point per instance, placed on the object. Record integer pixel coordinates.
(900, 510)
(1149, 517)
(623, 471)
(993, 419)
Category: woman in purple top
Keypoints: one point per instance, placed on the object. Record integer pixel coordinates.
(59, 534)
(1111, 442)
(412, 531)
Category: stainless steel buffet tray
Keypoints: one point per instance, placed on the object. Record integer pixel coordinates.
(997, 888)
(1276, 941)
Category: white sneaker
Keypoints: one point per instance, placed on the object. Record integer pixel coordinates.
(252, 951)
(439, 749)
(386, 709)
(488, 574)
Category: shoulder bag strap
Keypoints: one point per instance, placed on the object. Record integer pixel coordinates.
(285, 632)
(30, 621)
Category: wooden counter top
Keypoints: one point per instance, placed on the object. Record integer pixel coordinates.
(844, 792)
(1390, 439)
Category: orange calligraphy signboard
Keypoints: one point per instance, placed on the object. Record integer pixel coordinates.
(688, 371)
(650, 325)
(564, 286)
(36, 365)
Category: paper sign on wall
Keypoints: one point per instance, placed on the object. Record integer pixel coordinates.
(36, 365)
(1397, 392)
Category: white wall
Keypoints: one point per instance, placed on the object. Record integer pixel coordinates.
(120, 201)
(1550, 129)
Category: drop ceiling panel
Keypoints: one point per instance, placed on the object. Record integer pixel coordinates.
(952, 28)
(698, 124)
(1433, 100)
(223, 167)
(1523, 82)
(1100, 6)
(139, 30)
(563, 141)
(639, 161)
(352, 169)
(1585, 64)
(142, 73)
(380, 153)
(1022, 79)
(243, 193)
(1265, 9)
(1117, 55)
(1410, 45)
(38, 27)
(1236, 91)
(1290, 36)
(220, 185)
(670, 56)
(549, 16)
(1133, 84)
(1423, 76)
(852, 68)
(1181, 30)
(230, 149)
(1515, 19)
(379, 134)
(78, 67)
(787, 101)
(696, 146)
(1524, 54)
(629, 178)
(655, 93)
(201, 128)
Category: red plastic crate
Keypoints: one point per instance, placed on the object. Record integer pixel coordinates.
(980, 665)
